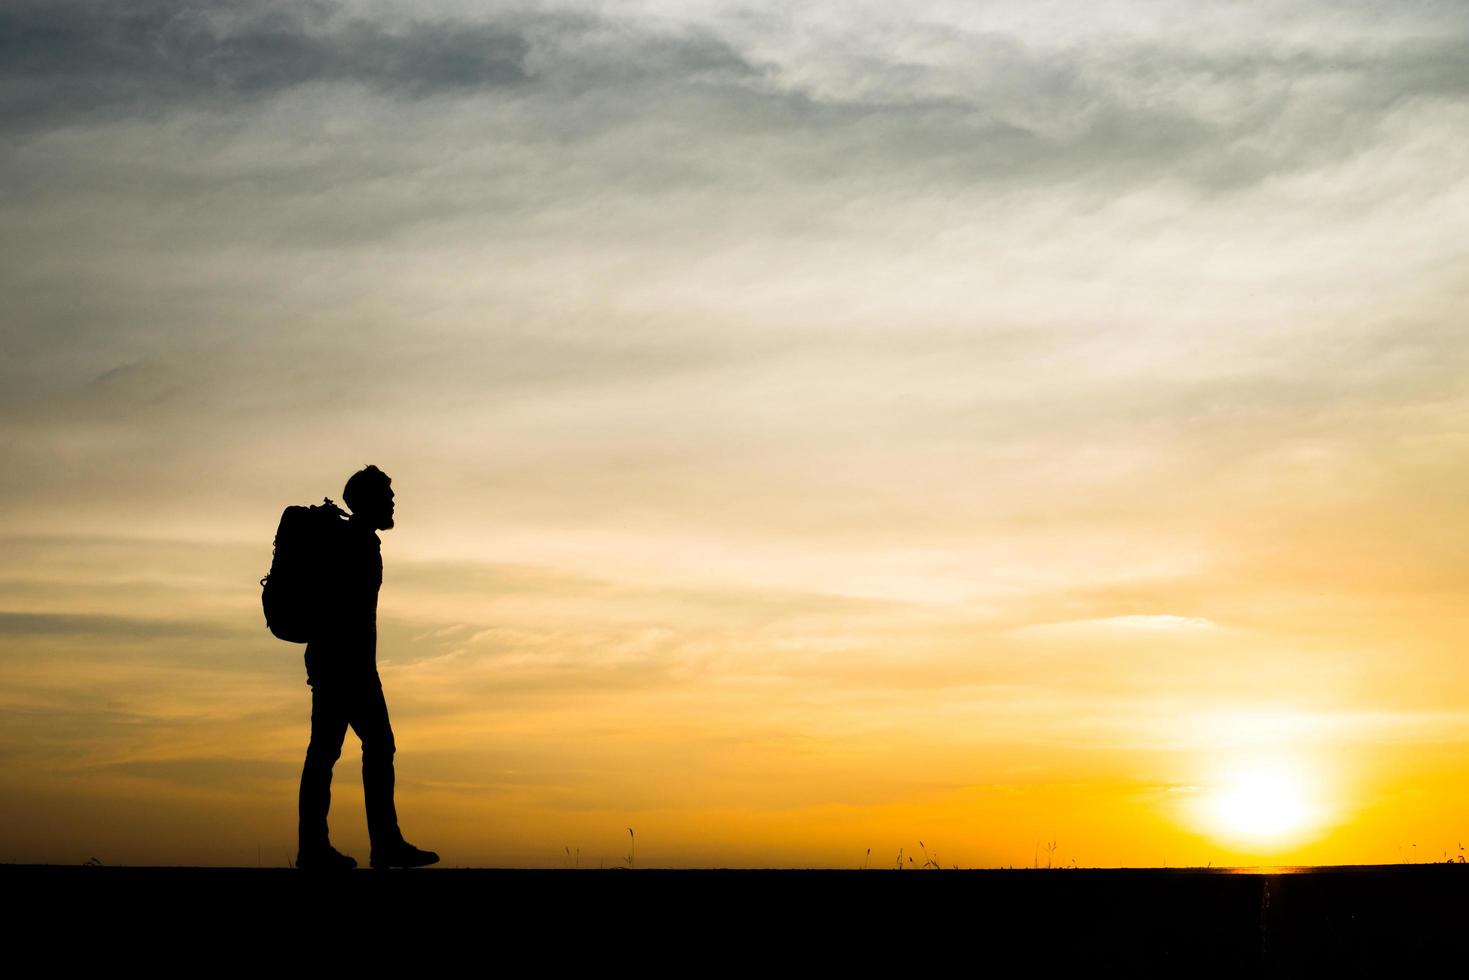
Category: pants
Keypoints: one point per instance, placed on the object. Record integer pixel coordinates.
(335, 705)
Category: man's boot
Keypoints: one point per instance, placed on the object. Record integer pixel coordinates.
(402, 855)
(324, 857)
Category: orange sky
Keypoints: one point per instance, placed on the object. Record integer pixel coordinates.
(984, 425)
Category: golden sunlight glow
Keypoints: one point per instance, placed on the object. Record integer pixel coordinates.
(1262, 803)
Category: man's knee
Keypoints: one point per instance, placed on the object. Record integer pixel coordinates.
(322, 755)
(379, 745)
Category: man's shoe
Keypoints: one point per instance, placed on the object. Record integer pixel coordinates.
(402, 855)
(326, 858)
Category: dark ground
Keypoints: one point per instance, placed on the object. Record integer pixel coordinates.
(1354, 921)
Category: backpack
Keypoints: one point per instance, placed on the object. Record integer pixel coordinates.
(293, 591)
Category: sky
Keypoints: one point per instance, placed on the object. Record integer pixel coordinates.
(1036, 430)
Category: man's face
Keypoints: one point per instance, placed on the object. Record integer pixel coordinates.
(377, 510)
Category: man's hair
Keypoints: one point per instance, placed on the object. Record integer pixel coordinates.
(364, 481)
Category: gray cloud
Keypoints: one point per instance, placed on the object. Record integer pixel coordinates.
(17, 624)
(237, 233)
(988, 106)
(90, 57)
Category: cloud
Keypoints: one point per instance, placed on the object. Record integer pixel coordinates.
(963, 286)
(201, 773)
(79, 59)
(15, 624)
(1159, 622)
(643, 97)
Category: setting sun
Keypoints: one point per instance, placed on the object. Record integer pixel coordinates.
(1262, 803)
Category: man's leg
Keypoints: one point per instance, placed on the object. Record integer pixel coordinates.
(329, 718)
(370, 721)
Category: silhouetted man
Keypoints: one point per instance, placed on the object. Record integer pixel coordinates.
(341, 667)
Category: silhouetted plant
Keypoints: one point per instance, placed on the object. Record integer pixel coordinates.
(632, 853)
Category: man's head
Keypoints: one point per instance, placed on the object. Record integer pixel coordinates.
(369, 495)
